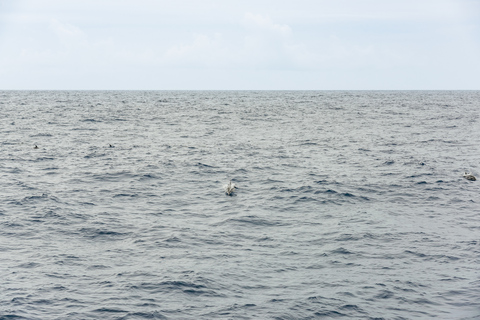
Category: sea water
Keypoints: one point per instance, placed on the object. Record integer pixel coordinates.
(350, 205)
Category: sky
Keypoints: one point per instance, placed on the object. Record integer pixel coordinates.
(239, 45)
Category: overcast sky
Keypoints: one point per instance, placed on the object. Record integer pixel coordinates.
(240, 45)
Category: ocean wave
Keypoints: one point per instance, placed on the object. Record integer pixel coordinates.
(350, 205)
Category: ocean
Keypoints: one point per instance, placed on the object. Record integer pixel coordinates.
(350, 205)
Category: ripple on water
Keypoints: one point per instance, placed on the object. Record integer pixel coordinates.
(120, 213)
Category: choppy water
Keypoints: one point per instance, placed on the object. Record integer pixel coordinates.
(350, 205)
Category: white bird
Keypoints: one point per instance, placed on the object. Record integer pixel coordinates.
(230, 188)
(469, 176)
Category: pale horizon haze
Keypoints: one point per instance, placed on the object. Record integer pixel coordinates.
(240, 45)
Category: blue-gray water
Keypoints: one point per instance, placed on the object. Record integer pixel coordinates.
(351, 205)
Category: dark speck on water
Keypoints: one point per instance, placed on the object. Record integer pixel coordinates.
(352, 205)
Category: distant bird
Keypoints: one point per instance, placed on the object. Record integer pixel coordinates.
(110, 146)
(230, 188)
(36, 147)
(469, 176)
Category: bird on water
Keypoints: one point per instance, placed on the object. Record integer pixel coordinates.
(36, 147)
(230, 188)
(469, 176)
